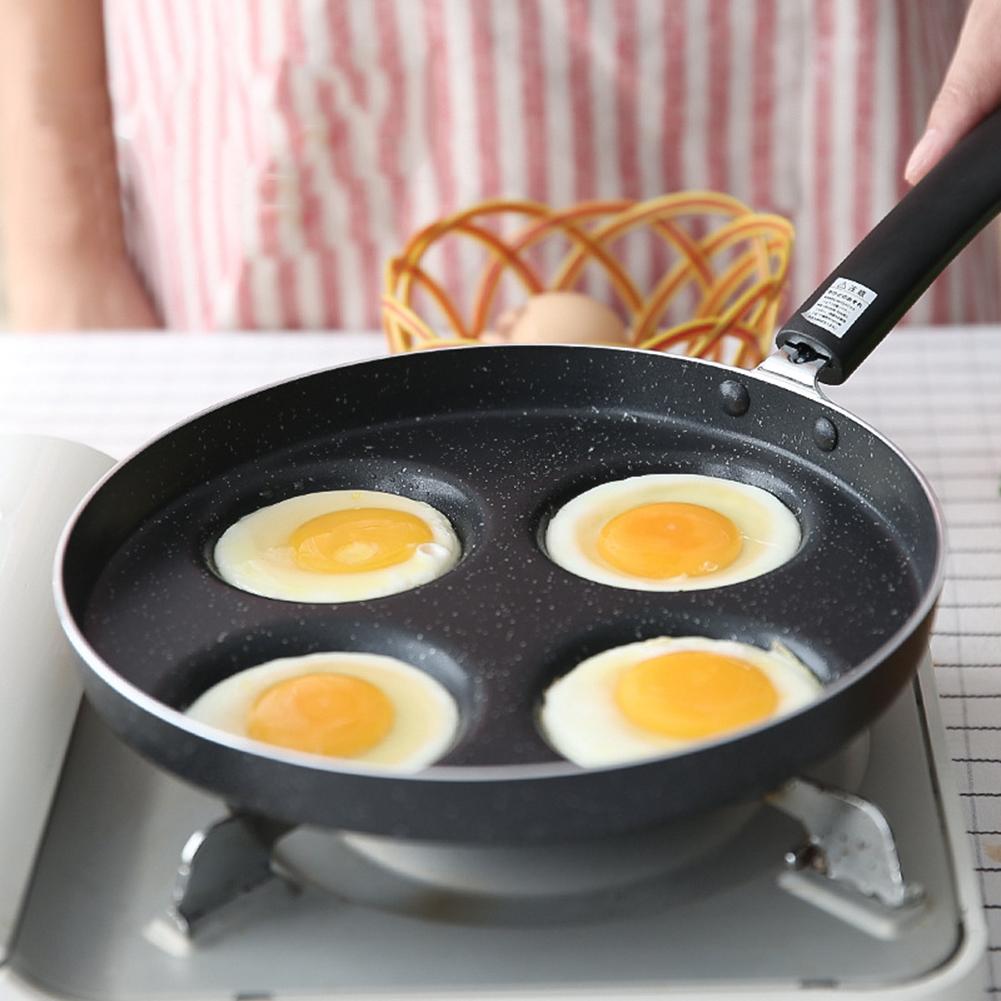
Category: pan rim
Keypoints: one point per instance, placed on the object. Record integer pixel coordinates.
(476, 774)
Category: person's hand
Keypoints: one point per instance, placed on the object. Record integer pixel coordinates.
(971, 89)
(79, 292)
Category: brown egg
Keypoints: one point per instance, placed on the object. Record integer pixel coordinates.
(559, 318)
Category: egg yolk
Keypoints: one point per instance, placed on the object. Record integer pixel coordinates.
(669, 539)
(695, 694)
(334, 714)
(358, 539)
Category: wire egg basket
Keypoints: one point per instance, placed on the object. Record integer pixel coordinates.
(716, 271)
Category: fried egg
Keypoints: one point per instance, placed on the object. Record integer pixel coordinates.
(362, 707)
(337, 545)
(672, 532)
(662, 696)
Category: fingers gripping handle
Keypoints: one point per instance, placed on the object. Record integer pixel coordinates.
(858, 304)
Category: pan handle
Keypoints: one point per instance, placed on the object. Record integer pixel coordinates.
(858, 304)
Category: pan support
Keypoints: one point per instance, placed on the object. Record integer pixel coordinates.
(221, 863)
(847, 865)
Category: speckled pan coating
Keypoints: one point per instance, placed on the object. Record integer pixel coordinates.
(497, 438)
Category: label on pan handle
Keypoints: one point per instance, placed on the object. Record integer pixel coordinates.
(841, 304)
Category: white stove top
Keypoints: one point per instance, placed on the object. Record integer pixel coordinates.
(933, 392)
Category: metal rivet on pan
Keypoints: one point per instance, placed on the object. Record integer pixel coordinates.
(736, 398)
(825, 434)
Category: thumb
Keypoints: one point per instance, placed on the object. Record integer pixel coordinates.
(971, 89)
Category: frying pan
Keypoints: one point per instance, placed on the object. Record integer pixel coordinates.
(498, 438)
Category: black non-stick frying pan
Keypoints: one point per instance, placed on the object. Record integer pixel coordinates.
(498, 438)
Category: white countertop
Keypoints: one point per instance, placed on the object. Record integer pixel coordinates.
(115, 391)
(937, 393)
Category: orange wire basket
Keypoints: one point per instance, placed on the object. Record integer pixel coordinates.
(716, 295)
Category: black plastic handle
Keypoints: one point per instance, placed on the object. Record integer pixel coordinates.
(861, 300)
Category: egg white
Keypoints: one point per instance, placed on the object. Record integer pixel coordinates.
(769, 530)
(580, 719)
(254, 554)
(424, 726)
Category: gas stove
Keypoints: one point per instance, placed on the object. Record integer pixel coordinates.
(710, 910)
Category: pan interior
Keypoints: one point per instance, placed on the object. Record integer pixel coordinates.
(498, 453)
